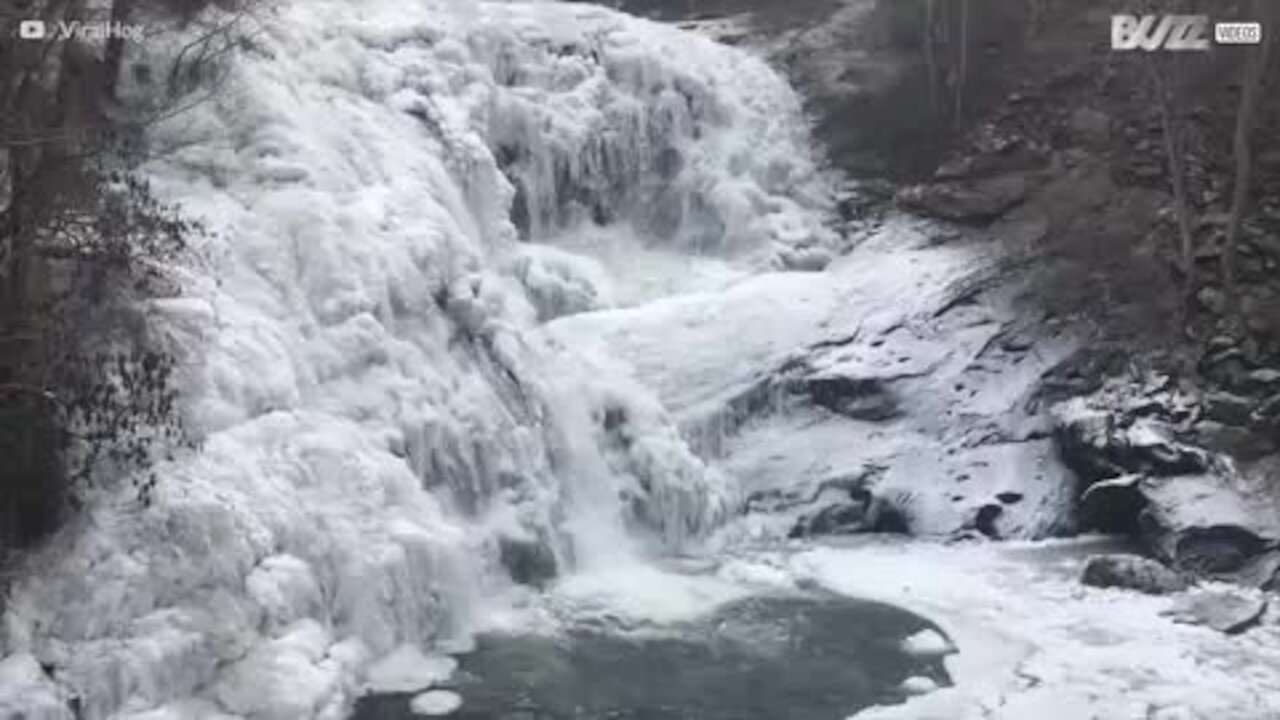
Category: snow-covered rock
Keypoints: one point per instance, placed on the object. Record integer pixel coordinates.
(1132, 573)
(1189, 506)
(1226, 611)
(928, 643)
(918, 685)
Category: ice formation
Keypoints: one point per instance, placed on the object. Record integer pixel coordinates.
(375, 418)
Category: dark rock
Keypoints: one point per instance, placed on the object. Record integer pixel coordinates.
(863, 512)
(1227, 612)
(1262, 571)
(1196, 524)
(1228, 368)
(528, 562)
(1228, 408)
(1090, 126)
(1205, 524)
(1239, 442)
(1013, 157)
(858, 398)
(852, 486)
(978, 201)
(1216, 549)
(834, 520)
(985, 520)
(1097, 445)
(1131, 572)
(1113, 505)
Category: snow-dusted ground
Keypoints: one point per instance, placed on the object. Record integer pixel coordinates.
(1034, 643)
(390, 388)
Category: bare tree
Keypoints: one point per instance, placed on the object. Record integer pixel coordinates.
(962, 65)
(1174, 133)
(84, 394)
(1253, 73)
(930, 58)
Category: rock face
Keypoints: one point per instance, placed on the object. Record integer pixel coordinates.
(1132, 573)
(1189, 507)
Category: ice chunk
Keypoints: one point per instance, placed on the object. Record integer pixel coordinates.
(407, 669)
(434, 703)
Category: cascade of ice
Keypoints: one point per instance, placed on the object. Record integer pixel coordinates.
(604, 121)
(383, 442)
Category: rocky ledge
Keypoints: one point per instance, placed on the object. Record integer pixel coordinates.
(1132, 447)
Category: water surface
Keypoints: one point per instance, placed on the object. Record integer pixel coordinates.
(764, 658)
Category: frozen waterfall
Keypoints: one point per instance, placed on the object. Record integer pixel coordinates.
(383, 441)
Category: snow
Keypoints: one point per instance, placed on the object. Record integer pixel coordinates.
(407, 669)
(435, 703)
(1033, 642)
(927, 643)
(288, 677)
(27, 692)
(917, 685)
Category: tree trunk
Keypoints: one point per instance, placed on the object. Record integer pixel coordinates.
(931, 62)
(113, 59)
(1254, 72)
(962, 71)
(1172, 129)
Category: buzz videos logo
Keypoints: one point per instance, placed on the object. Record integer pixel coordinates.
(1150, 32)
(33, 30)
(1179, 33)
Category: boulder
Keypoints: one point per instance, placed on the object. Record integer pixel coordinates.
(978, 201)
(1188, 506)
(1228, 408)
(1262, 571)
(1199, 524)
(1131, 572)
(1113, 505)
(1011, 157)
(1227, 611)
(846, 506)
(1244, 444)
(1100, 442)
(1204, 524)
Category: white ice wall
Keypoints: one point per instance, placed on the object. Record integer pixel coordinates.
(372, 413)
